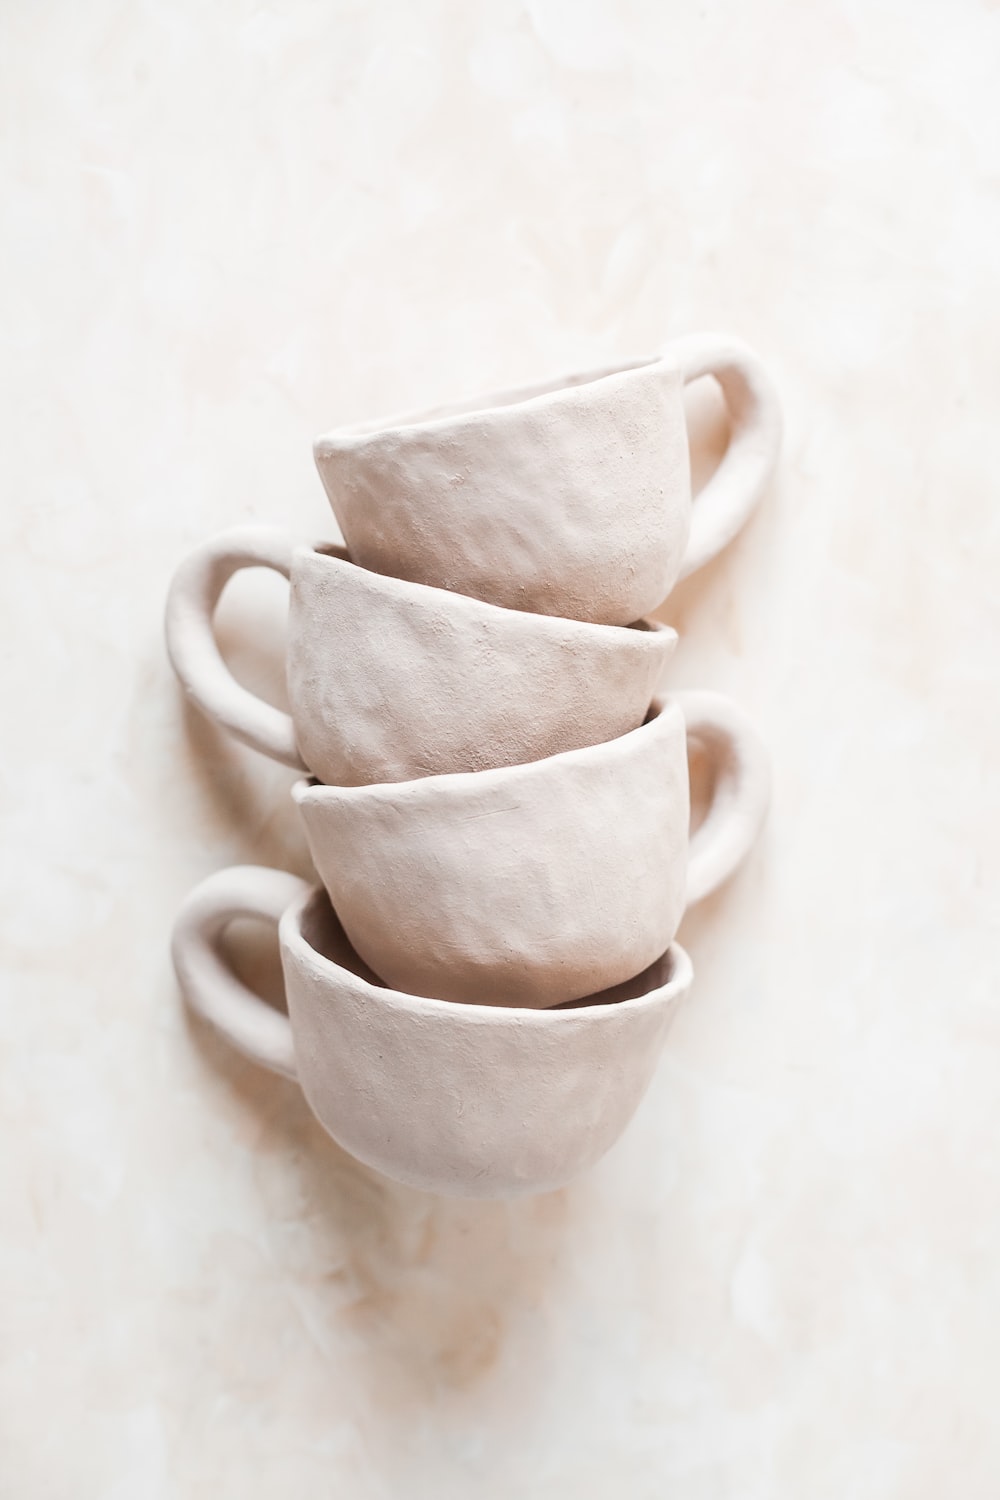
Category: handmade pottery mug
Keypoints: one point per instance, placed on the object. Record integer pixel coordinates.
(390, 681)
(455, 1099)
(568, 498)
(534, 884)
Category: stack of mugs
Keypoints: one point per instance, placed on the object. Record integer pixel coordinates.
(495, 789)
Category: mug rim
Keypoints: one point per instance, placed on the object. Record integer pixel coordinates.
(662, 709)
(527, 398)
(645, 628)
(292, 938)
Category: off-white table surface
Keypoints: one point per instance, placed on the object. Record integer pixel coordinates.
(226, 227)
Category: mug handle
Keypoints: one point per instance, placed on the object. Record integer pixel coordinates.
(741, 795)
(210, 987)
(193, 650)
(732, 494)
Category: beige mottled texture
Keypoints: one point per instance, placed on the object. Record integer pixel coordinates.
(390, 680)
(568, 498)
(533, 885)
(464, 1100)
(225, 227)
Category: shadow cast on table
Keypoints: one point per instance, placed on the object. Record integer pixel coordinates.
(422, 1290)
(246, 798)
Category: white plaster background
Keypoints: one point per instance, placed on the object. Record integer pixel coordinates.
(225, 227)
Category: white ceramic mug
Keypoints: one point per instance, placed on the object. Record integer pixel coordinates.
(569, 498)
(534, 884)
(450, 1098)
(389, 681)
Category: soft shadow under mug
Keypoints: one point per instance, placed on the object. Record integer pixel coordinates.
(454, 1099)
(389, 680)
(532, 885)
(568, 498)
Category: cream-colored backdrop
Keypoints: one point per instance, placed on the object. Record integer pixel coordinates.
(225, 227)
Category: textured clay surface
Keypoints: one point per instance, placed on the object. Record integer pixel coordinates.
(572, 499)
(526, 886)
(391, 681)
(455, 1099)
(532, 885)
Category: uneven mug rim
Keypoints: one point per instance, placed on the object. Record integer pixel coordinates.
(644, 629)
(519, 399)
(663, 710)
(292, 938)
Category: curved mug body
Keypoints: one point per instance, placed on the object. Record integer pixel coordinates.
(535, 884)
(391, 681)
(569, 498)
(459, 1100)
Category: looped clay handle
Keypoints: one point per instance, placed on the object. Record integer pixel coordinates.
(194, 652)
(734, 491)
(741, 793)
(210, 987)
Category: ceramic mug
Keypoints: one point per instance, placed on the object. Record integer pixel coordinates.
(390, 681)
(569, 498)
(450, 1098)
(534, 884)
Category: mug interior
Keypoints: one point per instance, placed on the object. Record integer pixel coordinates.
(659, 973)
(339, 553)
(447, 782)
(336, 550)
(320, 929)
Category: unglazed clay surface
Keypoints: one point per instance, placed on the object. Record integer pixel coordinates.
(571, 498)
(225, 227)
(455, 1099)
(532, 885)
(390, 681)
